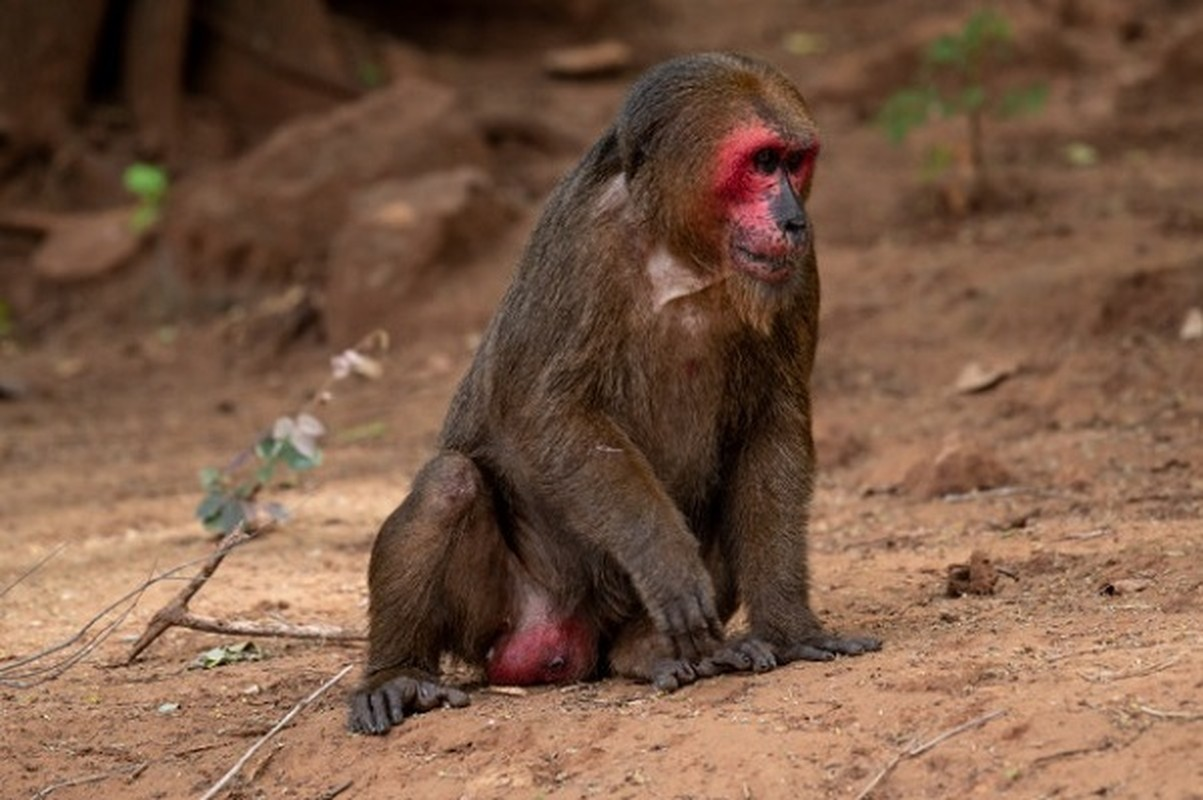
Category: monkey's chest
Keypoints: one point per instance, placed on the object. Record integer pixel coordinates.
(676, 418)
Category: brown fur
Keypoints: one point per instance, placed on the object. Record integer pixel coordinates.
(632, 443)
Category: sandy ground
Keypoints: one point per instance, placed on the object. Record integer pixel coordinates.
(1081, 675)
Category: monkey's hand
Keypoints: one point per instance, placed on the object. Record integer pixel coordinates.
(379, 705)
(680, 602)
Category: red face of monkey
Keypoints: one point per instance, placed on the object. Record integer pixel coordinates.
(762, 180)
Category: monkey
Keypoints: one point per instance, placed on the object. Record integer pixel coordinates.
(628, 459)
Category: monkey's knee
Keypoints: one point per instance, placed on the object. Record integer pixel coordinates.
(449, 486)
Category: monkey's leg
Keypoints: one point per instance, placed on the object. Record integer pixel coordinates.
(766, 516)
(438, 582)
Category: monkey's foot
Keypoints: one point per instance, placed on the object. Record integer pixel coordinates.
(376, 710)
(746, 654)
(740, 655)
(825, 647)
(671, 674)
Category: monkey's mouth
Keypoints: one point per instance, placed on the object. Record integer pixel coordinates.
(766, 267)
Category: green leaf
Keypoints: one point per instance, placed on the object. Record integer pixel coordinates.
(984, 28)
(263, 475)
(220, 513)
(299, 461)
(210, 507)
(211, 479)
(904, 111)
(232, 515)
(146, 181)
(268, 448)
(227, 654)
(946, 50)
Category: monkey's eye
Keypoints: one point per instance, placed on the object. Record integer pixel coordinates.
(793, 161)
(766, 160)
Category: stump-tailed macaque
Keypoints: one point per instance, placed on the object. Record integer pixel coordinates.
(629, 458)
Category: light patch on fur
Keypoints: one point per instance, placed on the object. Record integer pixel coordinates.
(672, 280)
(614, 196)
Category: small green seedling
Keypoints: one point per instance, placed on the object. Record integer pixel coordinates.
(149, 184)
(231, 494)
(957, 79)
(231, 500)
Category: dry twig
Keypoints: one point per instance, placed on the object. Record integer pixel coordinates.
(1106, 675)
(279, 726)
(176, 613)
(41, 563)
(10, 674)
(46, 791)
(1189, 716)
(915, 750)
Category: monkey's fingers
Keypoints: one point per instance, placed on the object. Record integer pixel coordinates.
(671, 674)
(742, 655)
(825, 648)
(369, 714)
(691, 622)
(434, 695)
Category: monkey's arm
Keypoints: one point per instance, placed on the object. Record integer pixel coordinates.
(766, 513)
(601, 488)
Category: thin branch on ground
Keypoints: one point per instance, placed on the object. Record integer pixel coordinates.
(279, 726)
(1189, 716)
(10, 674)
(41, 563)
(176, 613)
(916, 750)
(46, 791)
(1105, 745)
(335, 791)
(1107, 676)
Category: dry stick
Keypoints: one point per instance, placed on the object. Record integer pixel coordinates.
(9, 676)
(166, 617)
(914, 751)
(279, 726)
(100, 776)
(1157, 712)
(330, 794)
(8, 673)
(33, 569)
(176, 613)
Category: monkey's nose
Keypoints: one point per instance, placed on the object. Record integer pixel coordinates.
(794, 227)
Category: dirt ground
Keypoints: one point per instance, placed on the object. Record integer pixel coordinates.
(1083, 671)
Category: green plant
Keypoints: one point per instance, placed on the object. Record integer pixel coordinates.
(231, 495)
(958, 79)
(148, 183)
